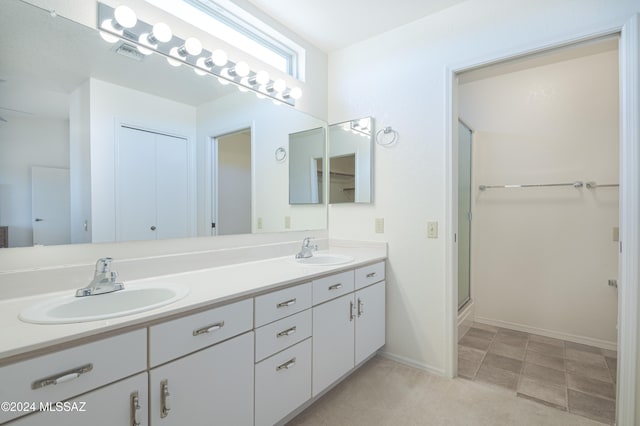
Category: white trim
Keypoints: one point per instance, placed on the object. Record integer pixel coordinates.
(412, 363)
(629, 204)
(629, 226)
(604, 344)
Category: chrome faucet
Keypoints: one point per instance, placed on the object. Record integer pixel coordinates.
(307, 249)
(104, 280)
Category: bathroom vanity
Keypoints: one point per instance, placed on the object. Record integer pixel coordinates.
(252, 344)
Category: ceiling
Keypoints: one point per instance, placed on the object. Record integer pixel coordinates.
(334, 24)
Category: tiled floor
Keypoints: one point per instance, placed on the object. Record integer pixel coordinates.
(564, 375)
(386, 393)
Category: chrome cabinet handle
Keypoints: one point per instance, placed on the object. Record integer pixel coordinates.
(286, 303)
(65, 376)
(135, 409)
(209, 329)
(360, 305)
(165, 406)
(371, 275)
(287, 365)
(351, 316)
(287, 332)
(335, 286)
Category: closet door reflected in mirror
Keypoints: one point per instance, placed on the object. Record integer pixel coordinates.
(306, 166)
(351, 161)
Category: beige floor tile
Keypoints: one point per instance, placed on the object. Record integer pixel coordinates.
(587, 370)
(546, 348)
(545, 360)
(470, 354)
(467, 368)
(612, 364)
(600, 409)
(547, 340)
(553, 396)
(591, 358)
(475, 342)
(485, 327)
(544, 375)
(515, 352)
(497, 376)
(503, 362)
(516, 340)
(609, 353)
(480, 333)
(583, 348)
(591, 386)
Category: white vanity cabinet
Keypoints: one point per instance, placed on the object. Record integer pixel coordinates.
(124, 403)
(349, 329)
(65, 374)
(214, 385)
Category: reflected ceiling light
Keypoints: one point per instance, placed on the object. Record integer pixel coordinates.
(122, 23)
(161, 33)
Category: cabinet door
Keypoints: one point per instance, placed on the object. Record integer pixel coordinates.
(370, 320)
(113, 405)
(213, 386)
(333, 341)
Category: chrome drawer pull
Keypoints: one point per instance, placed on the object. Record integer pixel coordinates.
(287, 365)
(351, 316)
(335, 286)
(62, 377)
(286, 303)
(371, 275)
(209, 329)
(287, 332)
(165, 406)
(135, 409)
(360, 305)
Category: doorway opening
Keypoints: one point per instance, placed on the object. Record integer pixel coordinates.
(231, 183)
(543, 246)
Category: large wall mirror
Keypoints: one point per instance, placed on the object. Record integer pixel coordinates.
(99, 143)
(306, 166)
(351, 161)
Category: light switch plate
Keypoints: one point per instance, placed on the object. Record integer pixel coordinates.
(259, 226)
(432, 229)
(379, 225)
(287, 222)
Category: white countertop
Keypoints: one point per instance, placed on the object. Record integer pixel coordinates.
(207, 287)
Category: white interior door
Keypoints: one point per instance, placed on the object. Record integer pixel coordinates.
(172, 195)
(50, 205)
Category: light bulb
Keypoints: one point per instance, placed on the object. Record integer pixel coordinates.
(125, 17)
(144, 40)
(162, 32)
(243, 83)
(176, 54)
(262, 78)
(363, 123)
(107, 25)
(241, 69)
(295, 93)
(219, 57)
(201, 63)
(224, 73)
(108, 37)
(279, 85)
(193, 46)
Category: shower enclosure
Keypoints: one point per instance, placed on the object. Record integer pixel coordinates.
(464, 214)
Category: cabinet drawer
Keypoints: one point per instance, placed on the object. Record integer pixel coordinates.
(282, 303)
(179, 337)
(369, 274)
(332, 286)
(283, 383)
(281, 334)
(60, 375)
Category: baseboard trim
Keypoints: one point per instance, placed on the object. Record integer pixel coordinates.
(412, 363)
(604, 344)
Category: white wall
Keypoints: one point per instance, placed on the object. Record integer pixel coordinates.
(399, 78)
(542, 256)
(270, 129)
(111, 105)
(234, 184)
(27, 142)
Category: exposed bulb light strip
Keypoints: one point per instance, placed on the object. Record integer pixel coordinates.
(122, 23)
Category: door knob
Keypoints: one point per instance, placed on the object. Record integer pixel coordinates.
(38, 219)
(153, 228)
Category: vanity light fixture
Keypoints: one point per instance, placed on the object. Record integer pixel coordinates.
(122, 23)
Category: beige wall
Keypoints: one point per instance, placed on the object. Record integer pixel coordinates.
(541, 257)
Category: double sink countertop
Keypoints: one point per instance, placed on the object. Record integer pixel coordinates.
(207, 288)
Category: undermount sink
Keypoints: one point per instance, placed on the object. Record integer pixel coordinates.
(325, 260)
(132, 300)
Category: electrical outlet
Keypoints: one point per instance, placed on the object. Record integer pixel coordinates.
(379, 225)
(287, 222)
(432, 229)
(259, 223)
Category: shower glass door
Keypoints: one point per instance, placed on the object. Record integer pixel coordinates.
(464, 214)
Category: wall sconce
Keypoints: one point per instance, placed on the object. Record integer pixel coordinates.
(122, 23)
